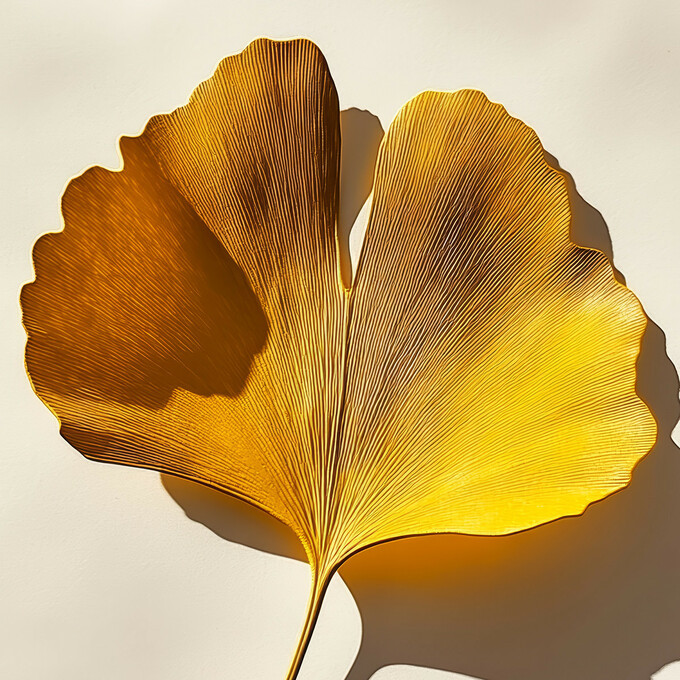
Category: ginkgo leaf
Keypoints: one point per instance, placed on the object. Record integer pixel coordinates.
(478, 376)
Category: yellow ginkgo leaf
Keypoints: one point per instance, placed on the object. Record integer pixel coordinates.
(478, 376)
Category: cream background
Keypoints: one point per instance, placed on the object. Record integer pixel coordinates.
(101, 574)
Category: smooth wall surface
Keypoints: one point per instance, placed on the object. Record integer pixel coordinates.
(102, 574)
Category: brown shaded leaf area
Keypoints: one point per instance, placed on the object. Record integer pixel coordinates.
(195, 317)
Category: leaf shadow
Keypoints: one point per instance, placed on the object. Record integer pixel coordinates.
(582, 598)
(134, 249)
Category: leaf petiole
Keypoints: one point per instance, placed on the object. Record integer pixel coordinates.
(320, 581)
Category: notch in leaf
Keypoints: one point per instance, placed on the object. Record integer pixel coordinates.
(477, 376)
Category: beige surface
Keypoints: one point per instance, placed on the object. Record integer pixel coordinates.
(103, 574)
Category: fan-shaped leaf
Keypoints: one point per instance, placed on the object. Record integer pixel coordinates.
(478, 376)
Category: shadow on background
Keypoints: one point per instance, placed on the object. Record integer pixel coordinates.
(361, 134)
(594, 597)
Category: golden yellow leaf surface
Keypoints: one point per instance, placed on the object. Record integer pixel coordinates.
(478, 376)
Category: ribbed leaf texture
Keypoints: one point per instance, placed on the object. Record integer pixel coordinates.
(478, 376)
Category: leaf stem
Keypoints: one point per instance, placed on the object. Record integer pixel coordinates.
(320, 582)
